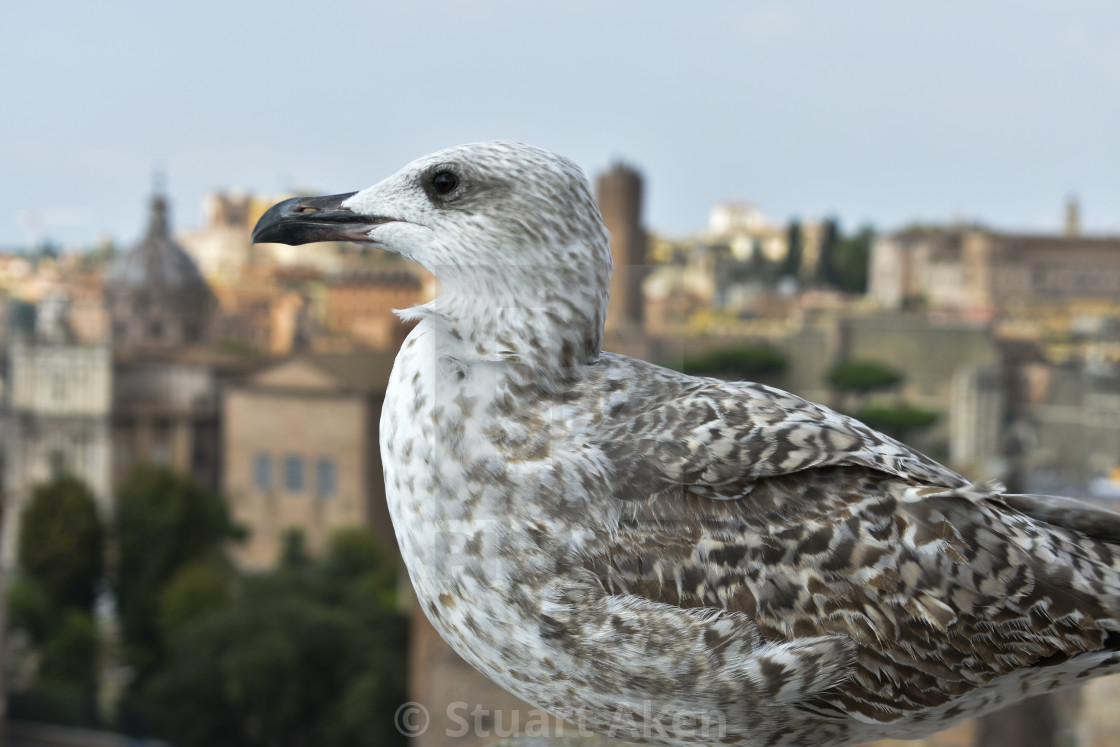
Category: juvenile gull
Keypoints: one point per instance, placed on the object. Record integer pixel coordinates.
(681, 559)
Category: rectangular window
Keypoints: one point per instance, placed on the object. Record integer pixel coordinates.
(262, 472)
(293, 473)
(326, 478)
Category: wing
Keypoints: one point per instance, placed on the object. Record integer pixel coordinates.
(1072, 514)
(668, 430)
(742, 497)
(941, 594)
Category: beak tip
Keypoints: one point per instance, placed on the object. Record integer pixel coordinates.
(269, 225)
(304, 220)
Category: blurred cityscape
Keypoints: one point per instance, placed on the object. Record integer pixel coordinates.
(217, 404)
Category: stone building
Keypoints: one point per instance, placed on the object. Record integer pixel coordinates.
(1069, 427)
(221, 247)
(745, 231)
(742, 266)
(57, 402)
(88, 317)
(167, 411)
(301, 451)
(979, 407)
(155, 295)
(984, 273)
(265, 317)
(360, 305)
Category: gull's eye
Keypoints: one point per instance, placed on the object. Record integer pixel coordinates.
(444, 182)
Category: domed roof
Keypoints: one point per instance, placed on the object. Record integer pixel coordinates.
(156, 264)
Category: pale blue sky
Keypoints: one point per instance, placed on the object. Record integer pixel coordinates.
(875, 110)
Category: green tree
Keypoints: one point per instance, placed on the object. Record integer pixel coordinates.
(354, 552)
(69, 654)
(850, 261)
(858, 378)
(29, 609)
(62, 544)
(61, 558)
(862, 377)
(164, 522)
(293, 550)
(357, 557)
(791, 265)
(293, 661)
(826, 261)
(743, 361)
(198, 588)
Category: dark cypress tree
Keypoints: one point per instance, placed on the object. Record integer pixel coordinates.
(826, 263)
(61, 544)
(791, 265)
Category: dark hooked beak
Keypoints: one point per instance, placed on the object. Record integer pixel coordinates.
(304, 220)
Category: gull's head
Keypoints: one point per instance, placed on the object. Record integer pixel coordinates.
(489, 207)
(511, 231)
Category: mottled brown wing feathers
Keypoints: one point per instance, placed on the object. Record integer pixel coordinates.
(737, 496)
(724, 436)
(939, 596)
(1072, 514)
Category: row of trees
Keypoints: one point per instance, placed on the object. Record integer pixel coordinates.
(311, 653)
(841, 263)
(843, 259)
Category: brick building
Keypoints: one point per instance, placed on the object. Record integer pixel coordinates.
(361, 305)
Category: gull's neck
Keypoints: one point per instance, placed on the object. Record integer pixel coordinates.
(544, 322)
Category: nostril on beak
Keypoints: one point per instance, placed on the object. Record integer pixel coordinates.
(306, 209)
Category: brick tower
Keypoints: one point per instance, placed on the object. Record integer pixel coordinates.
(620, 201)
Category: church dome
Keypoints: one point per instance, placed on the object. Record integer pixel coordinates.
(156, 263)
(156, 295)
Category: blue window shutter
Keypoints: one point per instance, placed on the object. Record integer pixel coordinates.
(262, 472)
(326, 478)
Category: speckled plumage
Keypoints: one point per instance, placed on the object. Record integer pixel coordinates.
(632, 548)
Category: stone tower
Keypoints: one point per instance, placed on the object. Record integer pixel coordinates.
(620, 202)
(1073, 218)
(156, 296)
